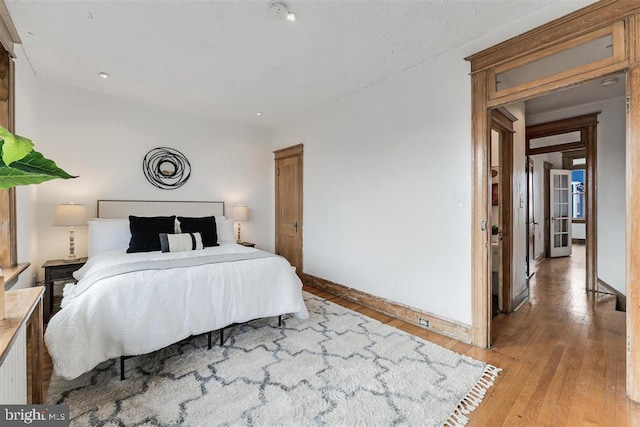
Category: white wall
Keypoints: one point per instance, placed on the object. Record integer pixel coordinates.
(103, 139)
(611, 184)
(383, 169)
(578, 230)
(26, 196)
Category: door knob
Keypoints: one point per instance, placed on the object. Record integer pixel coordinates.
(295, 225)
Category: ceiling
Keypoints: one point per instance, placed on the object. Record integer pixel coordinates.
(591, 91)
(231, 59)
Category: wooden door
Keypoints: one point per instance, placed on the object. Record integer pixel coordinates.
(288, 176)
(560, 203)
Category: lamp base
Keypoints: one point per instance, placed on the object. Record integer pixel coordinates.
(71, 259)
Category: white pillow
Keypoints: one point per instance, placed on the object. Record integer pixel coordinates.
(224, 228)
(180, 242)
(108, 235)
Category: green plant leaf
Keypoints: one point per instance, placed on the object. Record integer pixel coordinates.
(33, 168)
(14, 147)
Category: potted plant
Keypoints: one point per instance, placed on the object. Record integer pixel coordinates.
(20, 164)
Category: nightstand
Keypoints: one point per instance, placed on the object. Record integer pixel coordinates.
(57, 271)
(248, 244)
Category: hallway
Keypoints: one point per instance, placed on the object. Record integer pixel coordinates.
(568, 346)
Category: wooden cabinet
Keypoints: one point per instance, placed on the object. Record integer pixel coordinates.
(22, 329)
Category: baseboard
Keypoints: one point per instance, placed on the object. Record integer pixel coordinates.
(520, 299)
(621, 299)
(539, 257)
(400, 311)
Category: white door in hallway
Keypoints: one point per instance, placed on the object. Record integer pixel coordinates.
(560, 203)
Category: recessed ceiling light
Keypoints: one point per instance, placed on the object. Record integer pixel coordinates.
(103, 75)
(609, 81)
(258, 113)
(291, 16)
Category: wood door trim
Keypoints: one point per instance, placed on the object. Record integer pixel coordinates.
(633, 226)
(8, 239)
(567, 125)
(503, 118)
(530, 176)
(555, 148)
(573, 25)
(502, 124)
(546, 182)
(581, 22)
(283, 153)
(480, 231)
(8, 33)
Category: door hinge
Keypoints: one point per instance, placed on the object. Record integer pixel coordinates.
(628, 102)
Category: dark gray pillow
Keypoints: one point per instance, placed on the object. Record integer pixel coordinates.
(204, 225)
(145, 232)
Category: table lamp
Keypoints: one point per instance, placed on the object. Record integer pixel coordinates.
(70, 215)
(240, 213)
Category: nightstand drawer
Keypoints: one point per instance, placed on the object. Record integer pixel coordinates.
(63, 272)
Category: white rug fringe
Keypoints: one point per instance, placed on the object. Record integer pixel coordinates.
(473, 399)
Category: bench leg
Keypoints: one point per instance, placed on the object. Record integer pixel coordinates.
(209, 339)
(121, 368)
(280, 320)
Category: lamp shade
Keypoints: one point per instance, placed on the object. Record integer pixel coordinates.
(70, 215)
(240, 213)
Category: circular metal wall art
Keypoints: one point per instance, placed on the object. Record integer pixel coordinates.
(166, 168)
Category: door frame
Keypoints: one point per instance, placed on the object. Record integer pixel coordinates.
(587, 125)
(502, 122)
(560, 34)
(547, 209)
(531, 217)
(283, 153)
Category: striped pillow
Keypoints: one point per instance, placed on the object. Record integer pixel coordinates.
(180, 242)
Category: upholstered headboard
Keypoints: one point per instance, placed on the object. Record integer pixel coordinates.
(124, 208)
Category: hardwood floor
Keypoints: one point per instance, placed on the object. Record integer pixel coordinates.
(562, 354)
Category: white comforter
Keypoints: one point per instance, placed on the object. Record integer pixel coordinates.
(144, 311)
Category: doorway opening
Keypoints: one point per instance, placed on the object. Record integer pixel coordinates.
(617, 23)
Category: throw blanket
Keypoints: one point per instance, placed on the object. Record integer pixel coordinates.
(119, 309)
(73, 291)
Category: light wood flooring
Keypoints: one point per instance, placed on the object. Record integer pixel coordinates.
(562, 354)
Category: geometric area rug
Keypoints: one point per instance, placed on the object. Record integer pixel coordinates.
(337, 367)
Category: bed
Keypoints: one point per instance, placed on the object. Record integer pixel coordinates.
(127, 304)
